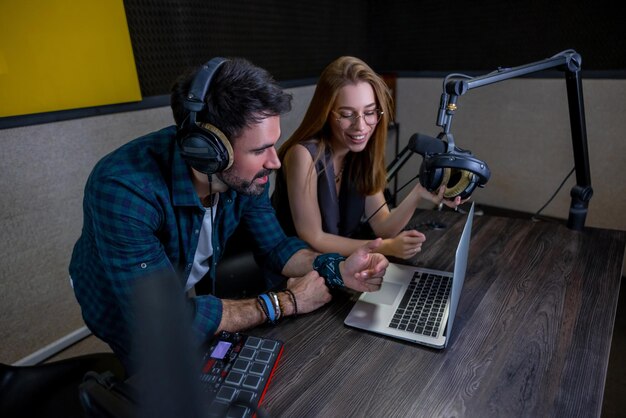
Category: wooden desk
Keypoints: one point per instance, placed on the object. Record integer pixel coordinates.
(531, 337)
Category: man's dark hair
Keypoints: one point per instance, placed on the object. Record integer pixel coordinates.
(240, 94)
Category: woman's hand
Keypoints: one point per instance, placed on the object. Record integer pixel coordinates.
(406, 244)
(437, 198)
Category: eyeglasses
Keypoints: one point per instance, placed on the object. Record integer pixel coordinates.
(347, 119)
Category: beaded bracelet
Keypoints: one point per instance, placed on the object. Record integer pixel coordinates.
(293, 299)
(327, 265)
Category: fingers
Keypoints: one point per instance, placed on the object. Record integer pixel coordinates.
(368, 248)
(411, 243)
(413, 233)
(378, 266)
(412, 251)
(381, 264)
(373, 284)
(453, 203)
(372, 245)
(369, 284)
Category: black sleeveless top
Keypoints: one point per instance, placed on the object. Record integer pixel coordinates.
(341, 215)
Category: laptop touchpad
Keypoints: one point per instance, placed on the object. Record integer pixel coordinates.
(386, 295)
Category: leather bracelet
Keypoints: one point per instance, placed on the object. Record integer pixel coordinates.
(327, 265)
(293, 299)
(263, 308)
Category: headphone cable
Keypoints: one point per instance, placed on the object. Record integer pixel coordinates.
(213, 263)
(534, 217)
(386, 202)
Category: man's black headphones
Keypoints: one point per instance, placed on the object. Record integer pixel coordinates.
(457, 169)
(202, 145)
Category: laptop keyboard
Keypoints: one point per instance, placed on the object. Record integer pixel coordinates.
(421, 309)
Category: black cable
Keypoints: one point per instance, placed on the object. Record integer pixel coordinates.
(213, 259)
(534, 217)
(387, 201)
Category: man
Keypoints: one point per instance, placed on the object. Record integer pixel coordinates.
(168, 202)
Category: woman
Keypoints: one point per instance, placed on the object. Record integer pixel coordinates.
(333, 173)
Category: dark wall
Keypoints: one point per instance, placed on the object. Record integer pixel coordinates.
(296, 39)
(291, 39)
(482, 35)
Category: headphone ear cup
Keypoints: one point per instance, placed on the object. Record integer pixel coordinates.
(206, 149)
(432, 178)
(222, 144)
(459, 173)
(457, 183)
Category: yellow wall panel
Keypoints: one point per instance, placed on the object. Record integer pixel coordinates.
(64, 54)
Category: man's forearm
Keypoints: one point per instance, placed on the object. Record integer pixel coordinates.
(241, 314)
(300, 263)
(238, 315)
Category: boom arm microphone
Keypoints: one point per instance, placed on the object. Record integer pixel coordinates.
(568, 61)
(420, 144)
(443, 165)
(424, 144)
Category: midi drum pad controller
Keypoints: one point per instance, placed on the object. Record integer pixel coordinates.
(237, 369)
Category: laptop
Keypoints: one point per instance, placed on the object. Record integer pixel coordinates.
(414, 303)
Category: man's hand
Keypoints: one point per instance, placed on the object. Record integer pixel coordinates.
(310, 291)
(363, 271)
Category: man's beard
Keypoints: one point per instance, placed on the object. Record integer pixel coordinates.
(245, 187)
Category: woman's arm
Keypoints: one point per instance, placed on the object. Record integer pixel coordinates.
(305, 210)
(386, 223)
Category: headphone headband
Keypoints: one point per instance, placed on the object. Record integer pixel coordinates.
(200, 84)
(460, 162)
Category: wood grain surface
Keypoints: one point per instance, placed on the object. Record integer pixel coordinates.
(531, 337)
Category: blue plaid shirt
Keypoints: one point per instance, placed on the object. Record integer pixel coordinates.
(142, 215)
